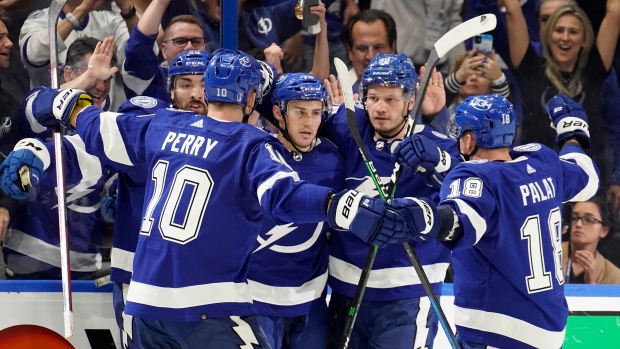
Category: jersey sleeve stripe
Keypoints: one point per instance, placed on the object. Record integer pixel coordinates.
(134, 83)
(32, 121)
(587, 166)
(476, 221)
(508, 326)
(190, 296)
(289, 296)
(388, 277)
(90, 166)
(113, 143)
(268, 184)
(121, 259)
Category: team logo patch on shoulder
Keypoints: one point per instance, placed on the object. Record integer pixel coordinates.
(359, 104)
(35, 14)
(439, 134)
(528, 147)
(143, 101)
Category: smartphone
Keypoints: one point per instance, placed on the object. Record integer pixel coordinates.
(484, 44)
(309, 18)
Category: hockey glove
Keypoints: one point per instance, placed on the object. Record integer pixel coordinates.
(109, 201)
(54, 106)
(423, 222)
(370, 219)
(30, 154)
(418, 153)
(569, 120)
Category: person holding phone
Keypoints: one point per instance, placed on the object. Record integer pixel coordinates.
(474, 74)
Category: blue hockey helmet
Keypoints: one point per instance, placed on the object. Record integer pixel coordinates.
(192, 62)
(298, 86)
(390, 69)
(230, 77)
(490, 117)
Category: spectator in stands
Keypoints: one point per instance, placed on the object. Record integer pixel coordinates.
(9, 133)
(572, 64)
(420, 23)
(368, 33)
(77, 19)
(32, 244)
(474, 74)
(591, 221)
(91, 75)
(142, 73)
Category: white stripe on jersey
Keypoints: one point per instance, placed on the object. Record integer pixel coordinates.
(90, 166)
(113, 144)
(587, 166)
(50, 254)
(266, 185)
(135, 84)
(288, 296)
(508, 326)
(121, 259)
(190, 296)
(421, 323)
(388, 277)
(476, 220)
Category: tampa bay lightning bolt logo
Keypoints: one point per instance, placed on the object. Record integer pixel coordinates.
(5, 125)
(245, 61)
(480, 104)
(279, 231)
(264, 25)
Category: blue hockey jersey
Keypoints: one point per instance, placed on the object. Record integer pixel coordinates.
(209, 185)
(288, 271)
(142, 73)
(508, 279)
(392, 276)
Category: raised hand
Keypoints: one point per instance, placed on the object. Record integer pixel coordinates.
(31, 154)
(418, 153)
(435, 97)
(421, 216)
(99, 63)
(588, 262)
(569, 120)
(273, 56)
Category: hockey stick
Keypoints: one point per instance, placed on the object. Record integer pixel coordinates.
(342, 70)
(67, 302)
(459, 34)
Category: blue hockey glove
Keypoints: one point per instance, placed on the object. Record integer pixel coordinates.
(370, 219)
(423, 222)
(569, 120)
(419, 153)
(31, 154)
(54, 106)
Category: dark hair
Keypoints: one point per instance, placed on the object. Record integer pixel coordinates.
(4, 18)
(80, 48)
(369, 16)
(185, 19)
(606, 210)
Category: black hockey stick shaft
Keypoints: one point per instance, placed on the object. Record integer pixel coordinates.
(67, 299)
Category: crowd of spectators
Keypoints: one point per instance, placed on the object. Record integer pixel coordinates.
(541, 48)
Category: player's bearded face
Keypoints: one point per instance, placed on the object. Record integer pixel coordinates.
(303, 119)
(188, 94)
(387, 110)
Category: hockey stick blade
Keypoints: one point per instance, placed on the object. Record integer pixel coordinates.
(67, 301)
(448, 41)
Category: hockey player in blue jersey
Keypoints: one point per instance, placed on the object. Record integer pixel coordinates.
(185, 85)
(211, 181)
(288, 272)
(501, 215)
(395, 311)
